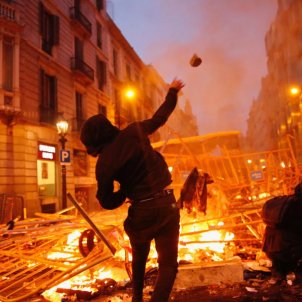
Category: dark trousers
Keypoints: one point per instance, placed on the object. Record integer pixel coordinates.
(157, 219)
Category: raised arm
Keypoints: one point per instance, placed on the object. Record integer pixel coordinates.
(164, 111)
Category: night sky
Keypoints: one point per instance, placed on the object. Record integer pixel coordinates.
(227, 34)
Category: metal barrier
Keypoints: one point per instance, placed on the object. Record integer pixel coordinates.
(11, 207)
(239, 175)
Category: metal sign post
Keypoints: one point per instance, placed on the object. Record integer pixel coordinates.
(97, 231)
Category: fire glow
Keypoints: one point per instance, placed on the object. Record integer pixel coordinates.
(199, 238)
(198, 242)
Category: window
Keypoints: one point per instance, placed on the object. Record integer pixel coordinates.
(99, 35)
(79, 111)
(46, 169)
(102, 109)
(8, 63)
(136, 78)
(80, 163)
(78, 49)
(48, 95)
(115, 62)
(99, 4)
(49, 29)
(77, 4)
(101, 73)
(128, 71)
(117, 101)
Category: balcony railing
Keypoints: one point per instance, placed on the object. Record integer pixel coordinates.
(7, 12)
(80, 66)
(48, 116)
(75, 14)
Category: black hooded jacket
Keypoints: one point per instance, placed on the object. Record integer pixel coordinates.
(126, 156)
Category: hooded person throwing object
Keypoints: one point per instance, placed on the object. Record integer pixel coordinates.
(126, 156)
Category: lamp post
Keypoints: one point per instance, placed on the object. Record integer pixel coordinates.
(62, 127)
(129, 95)
(294, 90)
(295, 112)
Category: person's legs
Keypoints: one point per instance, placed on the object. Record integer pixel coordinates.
(166, 243)
(140, 251)
(157, 220)
(139, 227)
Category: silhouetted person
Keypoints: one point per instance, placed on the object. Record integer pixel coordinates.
(126, 156)
(283, 233)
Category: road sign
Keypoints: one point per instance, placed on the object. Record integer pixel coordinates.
(65, 157)
(257, 175)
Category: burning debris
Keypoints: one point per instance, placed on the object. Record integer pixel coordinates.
(62, 258)
(194, 193)
(66, 258)
(39, 254)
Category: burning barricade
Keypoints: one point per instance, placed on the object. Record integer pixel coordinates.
(66, 258)
(66, 261)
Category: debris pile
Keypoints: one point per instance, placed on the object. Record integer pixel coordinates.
(68, 258)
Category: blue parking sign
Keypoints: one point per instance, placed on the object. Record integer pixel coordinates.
(65, 157)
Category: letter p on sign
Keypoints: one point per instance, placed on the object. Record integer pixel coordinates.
(65, 157)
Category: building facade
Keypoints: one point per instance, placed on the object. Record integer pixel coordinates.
(62, 58)
(275, 116)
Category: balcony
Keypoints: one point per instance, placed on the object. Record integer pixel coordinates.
(7, 12)
(9, 18)
(80, 22)
(82, 71)
(48, 116)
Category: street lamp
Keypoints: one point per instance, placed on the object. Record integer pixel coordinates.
(129, 96)
(295, 109)
(126, 94)
(62, 127)
(295, 90)
(130, 93)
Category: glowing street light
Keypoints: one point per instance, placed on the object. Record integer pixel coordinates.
(295, 90)
(130, 93)
(62, 127)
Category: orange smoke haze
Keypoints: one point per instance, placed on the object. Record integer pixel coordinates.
(228, 35)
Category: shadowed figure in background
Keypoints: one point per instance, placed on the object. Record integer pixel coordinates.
(283, 234)
(126, 156)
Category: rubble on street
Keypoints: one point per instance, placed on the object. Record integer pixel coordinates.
(74, 256)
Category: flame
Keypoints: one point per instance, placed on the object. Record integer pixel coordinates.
(197, 244)
(68, 249)
(192, 244)
(85, 282)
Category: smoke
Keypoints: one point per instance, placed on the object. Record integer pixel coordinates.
(228, 35)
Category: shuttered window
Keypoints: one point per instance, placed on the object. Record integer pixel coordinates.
(102, 109)
(78, 49)
(99, 35)
(49, 29)
(79, 120)
(8, 63)
(101, 73)
(48, 98)
(115, 62)
(79, 106)
(99, 4)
